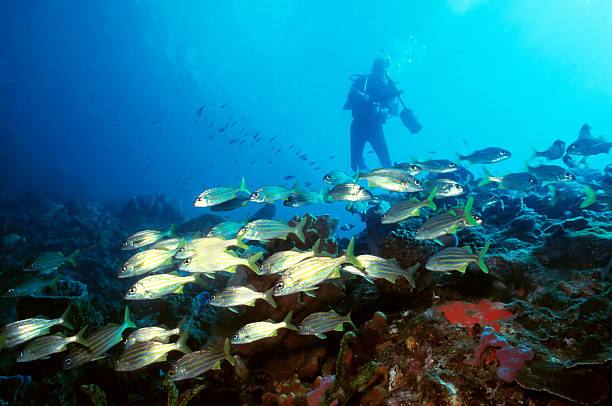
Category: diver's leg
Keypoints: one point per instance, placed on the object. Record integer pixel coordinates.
(357, 145)
(380, 146)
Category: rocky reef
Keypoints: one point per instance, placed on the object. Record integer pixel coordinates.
(536, 330)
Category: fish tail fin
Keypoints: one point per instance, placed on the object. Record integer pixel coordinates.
(487, 178)
(350, 256)
(269, 298)
(295, 187)
(198, 279)
(226, 351)
(53, 283)
(430, 202)
(242, 186)
(71, 257)
(349, 321)
(126, 319)
(324, 195)
(181, 344)
(171, 230)
(287, 321)
(241, 244)
(553, 195)
(534, 154)
(468, 212)
(182, 323)
(316, 248)
(80, 337)
(411, 271)
(64, 318)
(252, 262)
(459, 156)
(357, 175)
(591, 197)
(299, 230)
(481, 254)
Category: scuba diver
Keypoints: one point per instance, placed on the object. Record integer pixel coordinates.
(372, 100)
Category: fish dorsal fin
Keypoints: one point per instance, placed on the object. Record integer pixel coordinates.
(468, 248)
(585, 131)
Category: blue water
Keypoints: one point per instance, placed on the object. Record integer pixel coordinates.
(98, 101)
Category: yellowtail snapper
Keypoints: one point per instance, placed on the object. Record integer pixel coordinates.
(351, 192)
(51, 261)
(47, 345)
(454, 258)
(307, 274)
(154, 334)
(145, 262)
(219, 262)
(338, 178)
(408, 208)
(394, 180)
(144, 353)
(156, 286)
(198, 362)
(447, 223)
(322, 322)
(240, 295)
(283, 260)
(382, 268)
(99, 342)
(265, 230)
(261, 329)
(22, 331)
(145, 237)
(486, 156)
(521, 181)
(218, 195)
(33, 286)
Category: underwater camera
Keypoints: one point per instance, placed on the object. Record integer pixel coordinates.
(410, 121)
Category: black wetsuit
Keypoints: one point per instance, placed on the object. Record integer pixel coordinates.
(366, 98)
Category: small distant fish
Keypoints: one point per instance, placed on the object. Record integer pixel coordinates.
(307, 184)
(199, 111)
(141, 354)
(156, 286)
(223, 106)
(198, 362)
(262, 329)
(289, 177)
(382, 268)
(51, 261)
(317, 324)
(486, 156)
(347, 227)
(145, 237)
(154, 334)
(22, 331)
(240, 295)
(42, 347)
(408, 208)
(265, 230)
(218, 195)
(551, 173)
(452, 258)
(394, 180)
(555, 151)
(332, 157)
(351, 192)
(521, 181)
(437, 165)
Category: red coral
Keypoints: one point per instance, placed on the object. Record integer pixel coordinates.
(485, 313)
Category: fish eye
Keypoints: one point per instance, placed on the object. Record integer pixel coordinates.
(417, 182)
(212, 297)
(300, 328)
(171, 373)
(452, 164)
(67, 362)
(256, 194)
(21, 354)
(11, 291)
(199, 199)
(181, 250)
(124, 268)
(326, 177)
(280, 285)
(132, 291)
(235, 337)
(187, 261)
